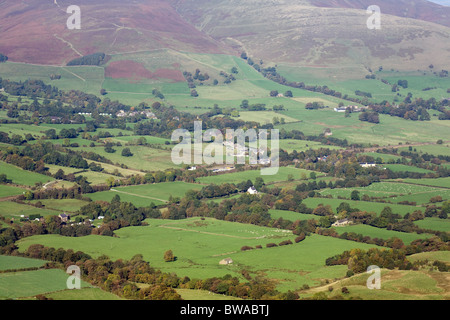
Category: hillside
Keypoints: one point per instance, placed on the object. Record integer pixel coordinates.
(303, 34)
(315, 33)
(419, 9)
(35, 31)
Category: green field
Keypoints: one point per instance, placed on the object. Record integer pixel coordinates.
(393, 192)
(83, 78)
(290, 145)
(435, 149)
(379, 233)
(434, 224)
(144, 195)
(66, 205)
(291, 216)
(384, 157)
(15, 210)
(12, 262)
(144, 158)
(199, 245)
(22, 177)
(395, 285)
(237, 177)
(361, 205)
(439, 182)
(87, 294)
(27, 284)
(264, 117)
(8, 191)
(402, 167)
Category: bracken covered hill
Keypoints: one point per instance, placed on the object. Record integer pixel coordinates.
(414, 34)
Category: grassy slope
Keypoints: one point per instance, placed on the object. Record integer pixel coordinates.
(200, 248)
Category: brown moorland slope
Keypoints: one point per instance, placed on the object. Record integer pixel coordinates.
(34, 31)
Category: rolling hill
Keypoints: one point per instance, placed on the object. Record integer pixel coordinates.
(315, 33)
(35, 31)
(304, 33)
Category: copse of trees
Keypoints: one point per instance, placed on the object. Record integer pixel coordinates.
(94, 59)
(371, 117)
(3, 58)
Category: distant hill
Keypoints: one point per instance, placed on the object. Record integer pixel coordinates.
(418, 9)
(308, 33)
(441, 2)
(414, 34)
(35, 31)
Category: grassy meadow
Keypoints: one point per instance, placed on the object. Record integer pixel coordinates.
(199, 245)
(379, 233)
(144, 195)
(283, 174)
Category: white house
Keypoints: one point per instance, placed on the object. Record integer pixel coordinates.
(368, 165)
(252, 190)
(341, 223)
(226, 261)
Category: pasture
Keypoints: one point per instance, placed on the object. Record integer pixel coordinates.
(435, 149)
(23, 177)
(438, 182)
(14, 210)
(376, 207)
(12, 262)
(291, 216)
(26, 284)
(199, 245)
(236, 177)
(66, 205)
(395, 285)
(83, 294)
(380, 233)
(289, 145)
(83, 78)
(144, 195)
(434, 224)
(405, 168)
(144, 158)
(392, 192)
(9, 191)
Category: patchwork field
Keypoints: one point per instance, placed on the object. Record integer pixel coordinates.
(434, 224)
(144, 195)
(22, 177)
(11, 262)
(402, 167)
(67, 205)
(395, 285)
(435, 149)
(393, 192)
(236, 177)
(291, 216)
(15, 210)
(362, 205)
(9, 191)
(26, 284)
(439, 182)
(199, 245)
(144, 158)
(379, 233)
